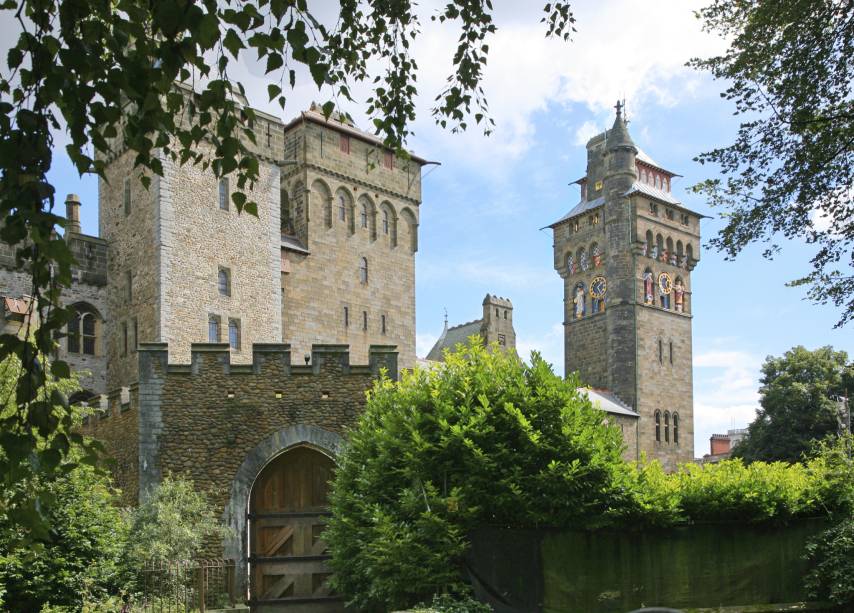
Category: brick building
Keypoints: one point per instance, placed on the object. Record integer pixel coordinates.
(625, 253)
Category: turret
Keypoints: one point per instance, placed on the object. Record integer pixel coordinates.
(621, 170)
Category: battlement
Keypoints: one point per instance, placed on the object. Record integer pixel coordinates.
(492, 299)
(267, 358)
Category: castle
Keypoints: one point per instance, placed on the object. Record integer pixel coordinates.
(625, 253)
(237, 349)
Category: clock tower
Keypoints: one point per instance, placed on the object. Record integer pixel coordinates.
(625, 253)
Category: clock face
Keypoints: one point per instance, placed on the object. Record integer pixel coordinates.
(665, 283)
(598, 287)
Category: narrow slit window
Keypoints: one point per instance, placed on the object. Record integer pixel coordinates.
(223, 193)
(365, 321)
(126, 196)
(234, 334)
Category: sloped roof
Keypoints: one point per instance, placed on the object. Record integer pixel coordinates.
(608, 402)
(579, 209)
(452, 336)
(17, 306)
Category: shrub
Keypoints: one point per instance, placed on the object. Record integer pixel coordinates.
(832, 552)
(729, 490)
(80, 559)
(173, 523)
(485, 439)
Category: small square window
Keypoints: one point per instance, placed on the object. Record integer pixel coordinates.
(344, 143)
(223, 193)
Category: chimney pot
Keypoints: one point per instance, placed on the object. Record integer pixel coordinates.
(72, 214)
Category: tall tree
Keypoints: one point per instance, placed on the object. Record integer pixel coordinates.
(799, 404)
(789, 70)
(103, 71)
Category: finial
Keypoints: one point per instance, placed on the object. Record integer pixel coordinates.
(619, 106)
(446, 317)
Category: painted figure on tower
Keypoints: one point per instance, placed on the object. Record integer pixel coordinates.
(679, 296)
(578, 301)
(648, 286)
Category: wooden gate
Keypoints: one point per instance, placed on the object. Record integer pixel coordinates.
(288, 510)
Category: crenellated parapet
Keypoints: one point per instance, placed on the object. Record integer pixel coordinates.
(201, 419)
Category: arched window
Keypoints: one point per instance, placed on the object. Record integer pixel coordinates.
(671, 253)
(689, 255)
(583, 262)
(342, 207)
(571, 264)
(363, 270)
(676, 428)
(658, 426)
(364, 215)
(647, 246)
(73, 340)
(213, 329)
(88, 325)
(234, 334)
(659, 246)
(385, 221)
(595, 255)
(666, 427)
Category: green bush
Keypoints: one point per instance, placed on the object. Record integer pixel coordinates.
(173, 524)
(485, 439)
(80, 561)
(731, 491)
(832, 552)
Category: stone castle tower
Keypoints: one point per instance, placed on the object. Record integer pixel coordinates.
(626, 253)
(328, 259)
(496, 326)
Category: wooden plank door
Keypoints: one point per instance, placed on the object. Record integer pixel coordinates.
(287, 513)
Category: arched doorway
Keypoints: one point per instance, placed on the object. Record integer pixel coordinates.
(288, 510)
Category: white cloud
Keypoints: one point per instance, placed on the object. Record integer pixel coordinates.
(424, 343)
(726, 384)
(585, 132)
(549, 344)
(495, 274)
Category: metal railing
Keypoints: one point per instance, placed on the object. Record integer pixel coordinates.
(188, 586)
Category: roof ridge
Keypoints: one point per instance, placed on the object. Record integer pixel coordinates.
(473, 321)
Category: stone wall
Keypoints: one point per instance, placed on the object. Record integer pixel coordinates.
(117, 426)
(322, 280)
(87, 290)
(203, 418)
(585, 349)
(172, 243)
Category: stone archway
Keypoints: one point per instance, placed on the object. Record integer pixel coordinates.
(236, 545)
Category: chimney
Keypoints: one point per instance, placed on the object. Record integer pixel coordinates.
(72, 213)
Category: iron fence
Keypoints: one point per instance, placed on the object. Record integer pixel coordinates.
(188, 586)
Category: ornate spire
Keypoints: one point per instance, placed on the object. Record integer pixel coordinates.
(618, 135)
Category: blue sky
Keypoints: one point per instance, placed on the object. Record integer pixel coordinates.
(483, 207)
